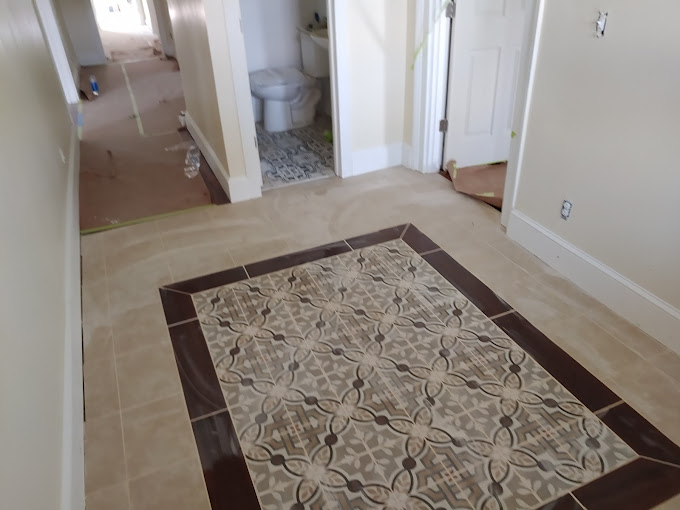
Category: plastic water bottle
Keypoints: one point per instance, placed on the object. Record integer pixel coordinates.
(94, 85)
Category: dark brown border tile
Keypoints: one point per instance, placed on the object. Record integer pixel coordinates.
(178, 307)
(478, 293)
(640, 435)
(418, 241)
(564, 503)
(381, 236)
(202, 390)
(295, 259)
(586, 387)
(210, 281)
(224, 467)
(640, 485)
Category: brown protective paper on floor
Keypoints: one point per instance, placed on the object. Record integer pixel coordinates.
(484, 182)
(125, 176)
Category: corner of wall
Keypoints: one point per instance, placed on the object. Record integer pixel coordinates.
(238, 188)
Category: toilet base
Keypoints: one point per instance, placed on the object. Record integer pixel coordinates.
(277, 116)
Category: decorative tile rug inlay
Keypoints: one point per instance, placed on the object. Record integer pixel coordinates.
(294, 156)
(378, 373)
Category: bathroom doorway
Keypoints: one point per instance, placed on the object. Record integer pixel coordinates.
(289, 60)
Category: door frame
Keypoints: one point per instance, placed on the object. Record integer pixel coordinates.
(431, 74)
(341, 99)
(52, 32)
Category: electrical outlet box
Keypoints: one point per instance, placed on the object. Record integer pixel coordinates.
(566, 209)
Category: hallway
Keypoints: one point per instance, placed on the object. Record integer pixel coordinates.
(126, 172)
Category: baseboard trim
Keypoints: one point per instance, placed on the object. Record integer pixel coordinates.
(73, 451)
(625, 297)
(239, 189)
(377, 158)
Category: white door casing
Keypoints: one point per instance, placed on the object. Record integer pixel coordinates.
(486, 53)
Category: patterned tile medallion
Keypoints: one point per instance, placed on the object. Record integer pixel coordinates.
(367, 380)
(294, 156)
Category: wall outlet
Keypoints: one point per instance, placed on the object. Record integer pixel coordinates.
(566, 209)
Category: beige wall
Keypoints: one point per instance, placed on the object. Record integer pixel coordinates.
(78, 16)
(603, 132)
(198, 79)
(380, 57)
(33, 226)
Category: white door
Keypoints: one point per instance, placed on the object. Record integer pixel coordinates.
(485, 59)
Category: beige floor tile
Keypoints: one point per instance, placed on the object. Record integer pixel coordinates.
(176, 487)
(523, 258)
(137, 287)
(134, 256)
(590, 345)
(668, 362)
(568, 292)
(111, 498)
(624, 331)
(97, 342)
(101, 388)
(157, 435)
(140, 327)
(191, 262)
(652, 393)
(671, 504)
(147, 374)
(95, 303)
(105, 458)
(247, 254)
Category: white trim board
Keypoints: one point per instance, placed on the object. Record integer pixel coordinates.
(57, 49)
(639, 306)
(73, 452)
(377, 158)
(430, 70)
(341, 96)
(238, 189)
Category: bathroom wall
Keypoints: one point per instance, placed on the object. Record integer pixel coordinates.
(270, 30)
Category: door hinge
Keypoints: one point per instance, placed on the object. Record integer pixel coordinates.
(451, 9)
(443, 126)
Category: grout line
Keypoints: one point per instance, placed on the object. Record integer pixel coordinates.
(577, 501)
(348, 245)
(209, 415)
(610, 406)
(165, 287)
(404, 231)
(115, 370)
(664, 462)
(135, 110)
(498, 316)
(431, 251)
(246, 270)
(180, 323)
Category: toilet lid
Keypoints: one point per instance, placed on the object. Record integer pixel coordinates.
(277, 77)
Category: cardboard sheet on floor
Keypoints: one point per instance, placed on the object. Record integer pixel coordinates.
(483, 182)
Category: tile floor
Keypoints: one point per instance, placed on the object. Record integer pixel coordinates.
(295, 156)
(140, 452)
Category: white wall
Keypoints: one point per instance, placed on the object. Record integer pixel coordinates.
(41, 465)
(602, 133)
(380, 57)
(82, 28)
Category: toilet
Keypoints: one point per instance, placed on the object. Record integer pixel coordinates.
(286, 98)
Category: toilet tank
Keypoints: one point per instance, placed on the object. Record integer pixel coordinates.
(314, 58)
